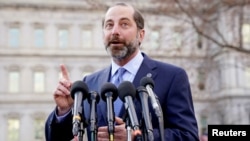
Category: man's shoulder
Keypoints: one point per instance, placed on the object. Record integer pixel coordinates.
(161, 64)
(164, 65)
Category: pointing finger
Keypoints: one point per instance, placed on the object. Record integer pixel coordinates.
(64, 71)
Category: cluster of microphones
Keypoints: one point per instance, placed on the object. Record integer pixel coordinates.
(127, 92)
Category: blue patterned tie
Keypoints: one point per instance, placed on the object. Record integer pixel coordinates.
(118, 79)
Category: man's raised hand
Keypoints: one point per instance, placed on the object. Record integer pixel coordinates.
(62, 95)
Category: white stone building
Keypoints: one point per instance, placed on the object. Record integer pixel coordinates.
(37, 36)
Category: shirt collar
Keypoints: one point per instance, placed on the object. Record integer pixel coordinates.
(132, 66)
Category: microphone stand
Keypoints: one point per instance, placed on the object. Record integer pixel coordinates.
(81, 132)
(144, 136)
(93, 100)
(127, 126)
(93, 129)
(138, 137)
(78, 127)
(160, 119)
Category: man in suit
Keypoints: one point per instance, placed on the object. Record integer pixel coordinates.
(123, 32)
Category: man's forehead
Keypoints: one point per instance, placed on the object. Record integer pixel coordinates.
(119, 11)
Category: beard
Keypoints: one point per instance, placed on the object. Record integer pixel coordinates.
(120, 49)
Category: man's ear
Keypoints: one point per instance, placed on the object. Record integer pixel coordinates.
(141, 35)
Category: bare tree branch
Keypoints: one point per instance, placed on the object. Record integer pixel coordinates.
(202, 32)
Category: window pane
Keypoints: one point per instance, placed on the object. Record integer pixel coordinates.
(177, 39)
(246, 33)
(63, 37)
(39, 81)
(14, 79)
(13, 129)
(87, 38)
(203, 122)
(248, 77)
(14, 35)
(39, 129)
(39, 37)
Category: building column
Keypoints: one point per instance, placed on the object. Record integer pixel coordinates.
(51, 36)
(3, 127)
(26, 128)
(3, 80)
(52, 78)
(26, 76)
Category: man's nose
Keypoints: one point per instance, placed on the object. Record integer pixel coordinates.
(116, 30)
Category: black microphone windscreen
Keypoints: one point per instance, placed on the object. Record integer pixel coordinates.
(126, 88)
(79, 86)
(93, 95)
(109, 87)
(147, 81)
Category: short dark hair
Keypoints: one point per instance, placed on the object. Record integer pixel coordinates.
(139, 20)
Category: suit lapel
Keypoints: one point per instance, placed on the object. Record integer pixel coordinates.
(147, 68)
(104, 77)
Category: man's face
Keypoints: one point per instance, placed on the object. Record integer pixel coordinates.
(121, 37)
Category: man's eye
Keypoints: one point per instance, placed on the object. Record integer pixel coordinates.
(108, 25)
(124, 24)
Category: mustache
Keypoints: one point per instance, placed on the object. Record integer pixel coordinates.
(115, 39)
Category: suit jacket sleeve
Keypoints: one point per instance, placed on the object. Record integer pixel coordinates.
(58, 131)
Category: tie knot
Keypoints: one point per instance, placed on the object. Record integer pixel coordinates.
(118, 77)
(120, 72)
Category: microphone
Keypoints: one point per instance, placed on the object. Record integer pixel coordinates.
(109, 94)
(143, 96)
(149, 84)
(93, 100)
(127, 92)
(79, 92)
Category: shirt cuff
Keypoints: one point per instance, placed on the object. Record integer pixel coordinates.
(61, 118)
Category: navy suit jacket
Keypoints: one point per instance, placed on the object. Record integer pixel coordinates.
(172, 88)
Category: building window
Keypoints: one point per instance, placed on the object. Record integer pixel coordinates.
(14, 81)
(39, 129)
(63, 38)
(248, 77)
(14, 37)
(39, 37)
(177, 38)
(87, 38)
(154, 39)
(39, 81)
(246, 33)
(203, 125)
(13, 129)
